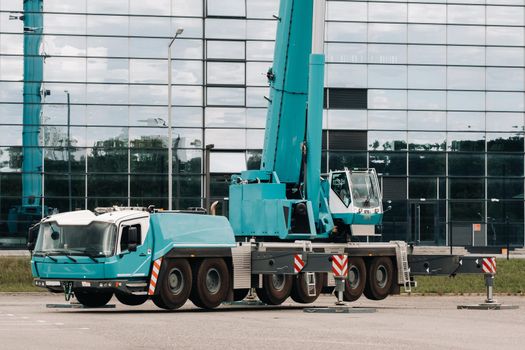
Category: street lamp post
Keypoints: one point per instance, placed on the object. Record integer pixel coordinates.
(68, 145)
(170, 131)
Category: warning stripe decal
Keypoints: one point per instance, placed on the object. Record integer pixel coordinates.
(340, 265)
(489, 265)
(154, 276)
(298, 263)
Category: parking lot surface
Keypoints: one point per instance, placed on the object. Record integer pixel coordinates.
(407, 322)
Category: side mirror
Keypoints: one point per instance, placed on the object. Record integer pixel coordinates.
(32, 236)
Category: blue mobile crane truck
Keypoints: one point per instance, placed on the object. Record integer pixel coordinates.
(288, 224)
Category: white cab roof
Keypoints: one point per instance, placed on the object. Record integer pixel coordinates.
(85, 217)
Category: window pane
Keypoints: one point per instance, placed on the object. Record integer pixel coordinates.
(226, 138)
(504, 122)
(426, 77)
(387, 33)
(466, 35)
(505, 188)
(504, 142)
(466, 188)
(466, 142)
(227, 162)
(505, 56)
(386, 76)
(469, 164)
(423, 163)
(422, 188)
(466, 121)
(426, 141)
(392, 12)
(387, 99)
(466, 55)
(349, 32)
(427, 13)
(505, 36)
(225, 49)
(506, 79)
(387, 120)
(346, 75)
(466, 14)
(427, 100)
(389, 163)
(225, 96)
(427, 34)
(501, 164)
(340, 160)
(262, 9)
(426, 120)
(425, 54)
(505, 101)
(346, 11)
(466, 100)
(466, 78)
(225, 28)
(230, 8)
(225, 73)
(387, 141)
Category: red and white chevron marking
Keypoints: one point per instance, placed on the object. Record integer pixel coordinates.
(154, 276)
(298, 263)
(340, 265)
(489, 265)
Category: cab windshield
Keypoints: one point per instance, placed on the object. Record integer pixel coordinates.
(95, 239)
(365, 189)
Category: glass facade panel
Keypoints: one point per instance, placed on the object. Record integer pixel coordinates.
(439, 86)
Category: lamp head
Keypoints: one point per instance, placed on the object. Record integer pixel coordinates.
(179, 31)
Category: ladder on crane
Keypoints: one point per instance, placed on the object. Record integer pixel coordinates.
(402, 265)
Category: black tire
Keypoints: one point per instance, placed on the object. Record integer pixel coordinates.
(130, 299)
(92, 298)
(299, 292)
(174, 285)
(240, 294)
(211, 283)
(380, 277)
(276, 289)
(356, 281)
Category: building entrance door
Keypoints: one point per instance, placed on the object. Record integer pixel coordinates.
(423, 218)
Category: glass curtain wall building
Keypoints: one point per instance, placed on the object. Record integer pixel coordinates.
(430, 93)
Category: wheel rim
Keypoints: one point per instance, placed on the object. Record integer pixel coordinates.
(176, 281)
(353, 277)
(381, 276)
(278, 282)
(213, 280)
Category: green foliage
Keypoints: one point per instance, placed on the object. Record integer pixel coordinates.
(510, 278)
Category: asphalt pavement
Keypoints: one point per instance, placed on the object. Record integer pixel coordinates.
(400, 322)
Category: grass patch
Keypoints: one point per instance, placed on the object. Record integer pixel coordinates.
(509, 279)
(15, 275)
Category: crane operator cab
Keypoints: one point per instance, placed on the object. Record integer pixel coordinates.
(355, 200)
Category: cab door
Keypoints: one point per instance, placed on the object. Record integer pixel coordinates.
(134, 263)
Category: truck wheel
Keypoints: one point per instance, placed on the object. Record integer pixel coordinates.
(300, 289)
(131, 299)
(276, 289)
(175, 284)
(211, 283)
(379, 278)
(91, 298)
(356, 281)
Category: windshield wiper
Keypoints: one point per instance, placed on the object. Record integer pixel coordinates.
(68, 255)
(47, 255)
(86, 253)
